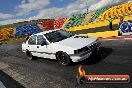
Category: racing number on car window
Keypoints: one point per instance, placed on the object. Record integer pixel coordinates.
(32, 40)
(41, 40)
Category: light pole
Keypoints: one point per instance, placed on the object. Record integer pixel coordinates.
(87, 5)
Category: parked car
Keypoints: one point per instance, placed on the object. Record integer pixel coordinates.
(61, 45)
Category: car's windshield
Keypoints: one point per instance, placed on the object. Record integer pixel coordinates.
(57, 36)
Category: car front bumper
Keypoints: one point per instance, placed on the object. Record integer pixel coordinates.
(77, 58)
(85, 55)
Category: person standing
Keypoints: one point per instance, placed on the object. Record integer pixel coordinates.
(110, 23)
(27, 36)
(121, 19)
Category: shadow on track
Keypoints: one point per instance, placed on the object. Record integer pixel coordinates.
(8, 81)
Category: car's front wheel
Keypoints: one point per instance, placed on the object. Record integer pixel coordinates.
(29, 54)
(63, 58)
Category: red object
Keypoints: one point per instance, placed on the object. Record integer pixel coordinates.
(107, 78)
(59, 22)
(54, 24)
(27, 36)
(121, 18)
(48, 24)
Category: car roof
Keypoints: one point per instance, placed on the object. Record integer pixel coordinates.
(44, 32)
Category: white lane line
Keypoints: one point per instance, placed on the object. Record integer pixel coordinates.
(3, 65)
(23, 79)
(111, 39)
(108, 39)
(128, 38)
(117, 39)
(2, 85)
(12, 73)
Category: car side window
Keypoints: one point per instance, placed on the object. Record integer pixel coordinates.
(41, 40)
(32, 40)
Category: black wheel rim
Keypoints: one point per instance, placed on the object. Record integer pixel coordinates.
(63, 59)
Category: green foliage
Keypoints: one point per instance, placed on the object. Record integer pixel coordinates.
(76, 20)
(98, 13)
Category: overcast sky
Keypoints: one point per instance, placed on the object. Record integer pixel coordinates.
(20, 10)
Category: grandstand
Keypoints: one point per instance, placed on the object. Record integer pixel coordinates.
(86, 20)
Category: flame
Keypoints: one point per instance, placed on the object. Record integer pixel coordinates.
(81, 71)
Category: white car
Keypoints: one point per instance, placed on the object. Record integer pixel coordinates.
(61, 45)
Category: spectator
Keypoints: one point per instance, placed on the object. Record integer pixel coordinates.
(121, 18)
(110, 23)
(27, 36)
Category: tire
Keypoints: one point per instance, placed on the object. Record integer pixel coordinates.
(30, 56)
(63, 58)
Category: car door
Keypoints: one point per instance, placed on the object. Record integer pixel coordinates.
(32, 45)
(43, 48)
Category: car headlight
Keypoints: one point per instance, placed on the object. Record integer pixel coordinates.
(84, 49)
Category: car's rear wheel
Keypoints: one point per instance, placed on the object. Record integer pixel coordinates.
(63, 58)
(29, 54)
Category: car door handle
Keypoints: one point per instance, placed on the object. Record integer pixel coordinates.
(37, 46)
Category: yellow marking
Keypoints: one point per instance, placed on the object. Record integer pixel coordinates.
(102, 34)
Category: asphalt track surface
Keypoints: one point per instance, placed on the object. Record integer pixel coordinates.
(8, 81)
(115, 58)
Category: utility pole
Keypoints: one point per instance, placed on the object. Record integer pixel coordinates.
(87, 5)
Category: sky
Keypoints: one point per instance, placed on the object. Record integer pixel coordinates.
(13, 11)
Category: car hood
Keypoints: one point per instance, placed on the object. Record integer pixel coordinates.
(77, 41)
